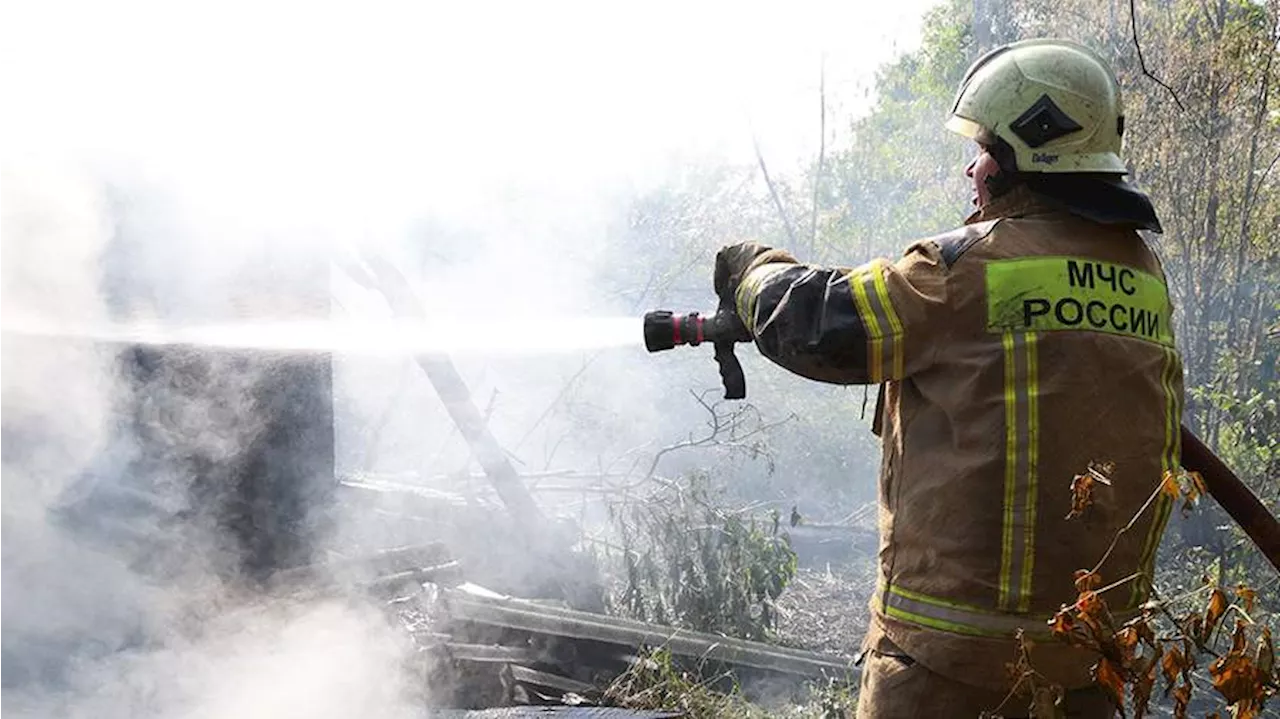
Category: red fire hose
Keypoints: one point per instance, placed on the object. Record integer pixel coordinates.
(1239, 502)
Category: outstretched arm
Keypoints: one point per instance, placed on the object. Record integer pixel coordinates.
(861, 325)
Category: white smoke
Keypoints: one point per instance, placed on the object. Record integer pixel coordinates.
(486, 148)
(91, 628)
(327, 660)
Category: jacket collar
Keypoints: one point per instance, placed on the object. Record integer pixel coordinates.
(1114, 203)
(1018, 201)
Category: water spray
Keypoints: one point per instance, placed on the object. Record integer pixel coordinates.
(502, 335)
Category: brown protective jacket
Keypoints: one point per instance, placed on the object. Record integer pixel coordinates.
(1014, 352)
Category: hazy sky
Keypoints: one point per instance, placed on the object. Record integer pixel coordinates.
(386, 103)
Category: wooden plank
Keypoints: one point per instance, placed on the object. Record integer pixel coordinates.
(555, 712)
(477, 605)
(489, 653)
(526, 675)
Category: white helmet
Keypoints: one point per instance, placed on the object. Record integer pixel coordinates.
(1055, 102)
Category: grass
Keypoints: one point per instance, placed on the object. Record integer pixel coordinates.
(657, 682)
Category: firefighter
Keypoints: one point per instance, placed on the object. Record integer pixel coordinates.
(1011, 353)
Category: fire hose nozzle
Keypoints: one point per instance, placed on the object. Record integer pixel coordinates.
(664, 329)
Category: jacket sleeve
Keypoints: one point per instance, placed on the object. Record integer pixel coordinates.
(865, 325)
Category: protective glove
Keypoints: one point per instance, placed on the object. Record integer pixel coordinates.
(733, 262)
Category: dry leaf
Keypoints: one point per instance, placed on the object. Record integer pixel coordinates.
(1192, 490)
(1081, 495)
(1174, 662)
(1082, 486)
(1145, 632)
(1212, 613)
(1109, 676)
(1238, 678)
(1062, 624)
(1086, 580)
(1127, 638)
(1181, 697)
(1144, 681)
(1125, 642)
(1095, 615)
(1265, 658)
(1238, 638)
(1190, 625)
(1169, 485)
(1197, 488)
(1235, 677)
(1246, 595)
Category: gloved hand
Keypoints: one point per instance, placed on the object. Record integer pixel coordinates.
(734, 261)
(731, 265)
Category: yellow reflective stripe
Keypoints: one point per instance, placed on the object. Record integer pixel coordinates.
(875, 365)
(933, 623)
(895, 325)
(872, 281)
(749, 291)
(1010, 466)
(1168, 463)
(936, 601)
(947, 615)
(1033, 452)
(1021, 440)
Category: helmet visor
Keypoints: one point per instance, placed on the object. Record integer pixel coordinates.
(970, 129)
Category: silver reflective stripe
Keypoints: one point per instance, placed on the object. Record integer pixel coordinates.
(890, 330)
(1021, 440)
(1169, 459)
(862, 287)
(952, 617)
(936, 613)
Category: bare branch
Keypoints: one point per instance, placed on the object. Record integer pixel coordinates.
(773, 192)
(1132, 521)
(822, 149)
(1133, 19)
(723, 430)
(568, 385)
(1262, 179)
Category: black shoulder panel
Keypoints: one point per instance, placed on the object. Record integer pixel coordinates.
(955, 243)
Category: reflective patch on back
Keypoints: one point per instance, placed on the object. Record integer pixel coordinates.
(1077, 293)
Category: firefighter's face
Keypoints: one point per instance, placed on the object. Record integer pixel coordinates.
(980, 168)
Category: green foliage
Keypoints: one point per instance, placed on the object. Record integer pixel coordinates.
(900, 177)
(658, 682)
(1208, 153)
(688, 561)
